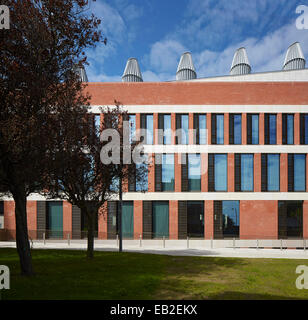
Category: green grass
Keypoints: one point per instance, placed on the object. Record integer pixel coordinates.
(62, 274)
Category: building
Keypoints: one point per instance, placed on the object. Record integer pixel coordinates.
(245, 174)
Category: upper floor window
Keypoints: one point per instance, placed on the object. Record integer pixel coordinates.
(182, 123)
(200, 129)
(287, 129)
(167, 172)
(304, 128)
(194, 172)
(164, 127)
(217, 128)
(217, 172)
(235, 128)
(296, 172)
(270, 172)
(146, 122)
(270, 128)
(243, 172)
(132, 127)
(252, 128)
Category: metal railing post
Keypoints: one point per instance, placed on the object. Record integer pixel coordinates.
(233, 243)
(304, 244)
(211, 242)
(280, 244)
(140, 241)
(164, 242)
(257, 243)
(187, 242)
(68, 239)
(117, 240)
(44, 238)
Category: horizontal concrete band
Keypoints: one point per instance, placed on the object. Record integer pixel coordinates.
(195, 196)
(206, 108)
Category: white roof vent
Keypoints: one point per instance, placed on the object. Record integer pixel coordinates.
(240, 64)
(132, 71)
(294, 58)
(186, 69)
(81, 72)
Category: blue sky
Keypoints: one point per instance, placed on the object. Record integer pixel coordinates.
(157, 32)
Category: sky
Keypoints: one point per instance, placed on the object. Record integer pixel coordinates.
(158, 32)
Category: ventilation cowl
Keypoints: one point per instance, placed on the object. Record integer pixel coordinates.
(132, 71)
(186, 69)
(81, 72)
(294, 59)
(240, 64)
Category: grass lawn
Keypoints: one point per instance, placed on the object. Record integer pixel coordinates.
(63, 274)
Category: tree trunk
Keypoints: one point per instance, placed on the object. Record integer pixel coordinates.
(22, 240)
(90, 250)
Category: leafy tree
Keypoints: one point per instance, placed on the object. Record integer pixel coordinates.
(38, 89)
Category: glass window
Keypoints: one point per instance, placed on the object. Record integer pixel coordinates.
(128, 219)
(142, 177)
(97, 123)
(202, 129)
(220, 129)
(290, 128)
(132, 127)
(273, 172)
(194, 172)
(247, 172)
(237, 129)
(184, 135)
(220, 173)
(255, 129)
(299, 172)
(149, 128)
(231, 218)
(160, 219)
(272, 129)
(167, 172)
(167, 129)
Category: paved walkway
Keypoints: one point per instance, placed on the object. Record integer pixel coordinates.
(216, 252)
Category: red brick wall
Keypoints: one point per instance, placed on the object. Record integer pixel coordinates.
(32, 218)
(9, 218)
(138, 219)
(226, 128)
(258, 219)
(296, 129)
(230, 172)
(204, 172)
(102, 222)
(173, 219)
(284, 172)
(305, 220)
(208, 219)
(257, 172)
(244, 128)
(67, 220)
(177, 173)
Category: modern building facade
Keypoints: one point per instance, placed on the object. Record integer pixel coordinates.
(239, 170)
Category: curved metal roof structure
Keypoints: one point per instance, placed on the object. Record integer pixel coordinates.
(132, 71)
(81, 72)
(294, 58)
(240, 63)
(186, 69)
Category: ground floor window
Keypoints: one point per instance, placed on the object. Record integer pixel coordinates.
(195, 219)
(54, 219)
(290, 219)
(160, 219)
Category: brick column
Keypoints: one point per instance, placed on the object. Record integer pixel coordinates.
(151, 173)
(67, 220)
(102, 222)
(257, 172)
(138, 209)
(9, 219)
(177, 173)
(208, 219)
(261, 128)
(230, 172)
(208, 125)
(306, 172)
(155, 128)
(244, 128)
(173, 127)
(204, 172)
(305, 219)
(191, 128)
(279, 128)
(226, 128)
(173, 219)
(296, 129)
(284, 172)
(32, 218)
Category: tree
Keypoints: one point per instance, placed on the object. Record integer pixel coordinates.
(83, 170)
(38, 88)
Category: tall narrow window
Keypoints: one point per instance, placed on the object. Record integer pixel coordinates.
(235, 129)
(97, 122)
(182, 127)
(297, 172)
(167, 129)
(247, 172)
(146, 123)
(132, 127)
(303, 128)
(273, 172)
(230, 218)
(287, 129)
(168, 172)
(142, 177)
(220, 172)
(194, 172)
(252, 128)
(220, 128)
(200, 129)
(270, 128)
